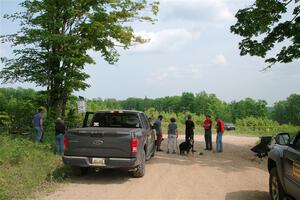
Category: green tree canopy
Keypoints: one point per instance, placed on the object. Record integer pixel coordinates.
(51, 48)
(248, 108)
(288, 111)
(270, 23)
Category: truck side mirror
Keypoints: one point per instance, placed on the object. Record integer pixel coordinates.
(283, 139)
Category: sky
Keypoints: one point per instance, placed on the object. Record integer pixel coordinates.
(191, 49)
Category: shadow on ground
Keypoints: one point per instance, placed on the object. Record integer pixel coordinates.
(247, 195)
(234, 158)
(105, 176)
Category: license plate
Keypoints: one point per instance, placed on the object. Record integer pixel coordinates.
(98, 161)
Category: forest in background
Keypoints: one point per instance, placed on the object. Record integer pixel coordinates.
(17, 106)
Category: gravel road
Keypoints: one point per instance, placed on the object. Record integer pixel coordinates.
(232, 175)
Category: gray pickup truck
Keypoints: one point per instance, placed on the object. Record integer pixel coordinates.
(111, 139)
(284, 168)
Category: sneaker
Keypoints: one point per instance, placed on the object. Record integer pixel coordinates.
(159, 150)
(168, 152)
(174, 152)
(193, 151)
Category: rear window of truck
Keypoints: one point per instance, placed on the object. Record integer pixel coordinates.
(121, 120)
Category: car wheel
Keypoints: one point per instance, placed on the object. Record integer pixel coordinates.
(275, 188)
(140, 170)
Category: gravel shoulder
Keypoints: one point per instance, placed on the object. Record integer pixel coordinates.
(234, 174)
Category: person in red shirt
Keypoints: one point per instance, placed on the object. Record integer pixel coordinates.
(207, 125)
(220, 131)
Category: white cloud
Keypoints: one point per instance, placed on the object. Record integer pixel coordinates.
(173, 73)
(197, 10)
(165, 40)
(220, 59)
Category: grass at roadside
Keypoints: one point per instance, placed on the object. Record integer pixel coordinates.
(26, 167)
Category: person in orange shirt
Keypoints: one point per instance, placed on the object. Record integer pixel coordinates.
(207, 125)
(220, 131)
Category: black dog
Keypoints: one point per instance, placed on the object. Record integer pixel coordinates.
(185, 147)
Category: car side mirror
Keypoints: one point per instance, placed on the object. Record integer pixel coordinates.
(283, 139)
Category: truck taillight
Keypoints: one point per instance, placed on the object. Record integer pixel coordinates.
(66, 142)
(134, 145)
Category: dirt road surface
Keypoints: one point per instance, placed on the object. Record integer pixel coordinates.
(232, 175)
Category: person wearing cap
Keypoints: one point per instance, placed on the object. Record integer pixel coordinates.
(220, 131)
(207, 125)
(158, 129)
(37, 123)
(59, 136)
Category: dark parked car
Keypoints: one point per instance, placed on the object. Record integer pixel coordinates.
(111, 139)
(284, 168)
(229, 126)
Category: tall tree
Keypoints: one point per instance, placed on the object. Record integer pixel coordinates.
(55, 35)
(187, 101)
(270, 23)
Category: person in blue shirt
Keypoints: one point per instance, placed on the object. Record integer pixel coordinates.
(60, 130)
(37, 123)
(158, 129)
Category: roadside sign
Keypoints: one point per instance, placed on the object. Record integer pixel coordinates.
(81, 106)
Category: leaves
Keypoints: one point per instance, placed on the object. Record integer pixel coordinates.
(51, 47)
(267, 23)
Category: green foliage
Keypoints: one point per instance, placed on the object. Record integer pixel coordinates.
(25, 166)
(288, 111)
(73, 119)
(5, 120)
(200, 104)
(256, 123)
(55, 37)
(267, 23)
(247, 108)
(263, 126)
(17, 107)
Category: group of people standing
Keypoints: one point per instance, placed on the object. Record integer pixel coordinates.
(189, 133)
(60, 129)
(37, 123)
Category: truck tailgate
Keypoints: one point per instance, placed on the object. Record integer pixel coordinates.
(99, 142)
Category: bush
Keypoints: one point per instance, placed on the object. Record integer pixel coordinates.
(263, 126)
(25, 165)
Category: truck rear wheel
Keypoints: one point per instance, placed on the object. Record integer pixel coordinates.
(275, 188)
(140, 170)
